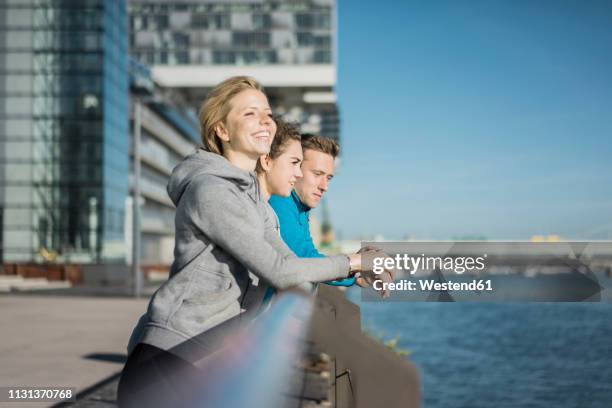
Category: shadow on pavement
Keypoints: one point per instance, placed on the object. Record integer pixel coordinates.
(108, 357)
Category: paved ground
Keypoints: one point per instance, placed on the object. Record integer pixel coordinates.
(63, 340)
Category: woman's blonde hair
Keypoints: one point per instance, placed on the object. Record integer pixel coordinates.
(216, 107)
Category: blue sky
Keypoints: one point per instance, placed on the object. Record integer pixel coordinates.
(464, 118)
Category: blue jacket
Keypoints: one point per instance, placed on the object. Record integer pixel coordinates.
(293, 216)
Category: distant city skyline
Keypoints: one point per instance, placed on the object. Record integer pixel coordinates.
(480, 118)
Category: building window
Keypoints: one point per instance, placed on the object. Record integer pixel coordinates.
(182, 57)
(313, 20)
(322, 41)
(304, 39)
(224, 57)
(210, 21)
(199, 20)
(180, 40)
(322, 57)
(262, 21)
(250, 39)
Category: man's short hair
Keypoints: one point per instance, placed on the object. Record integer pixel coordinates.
(320, 144)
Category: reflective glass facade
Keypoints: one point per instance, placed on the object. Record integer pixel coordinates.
(63, 130)
(232, 32)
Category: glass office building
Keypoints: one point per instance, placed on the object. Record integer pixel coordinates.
(64, 118)
(232, 32)
(289, 46)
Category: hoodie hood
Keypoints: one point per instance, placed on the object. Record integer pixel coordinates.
(202, 162)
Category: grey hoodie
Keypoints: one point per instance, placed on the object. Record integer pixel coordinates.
(227, 252)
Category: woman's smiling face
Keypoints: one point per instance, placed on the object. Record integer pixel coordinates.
(249, 128)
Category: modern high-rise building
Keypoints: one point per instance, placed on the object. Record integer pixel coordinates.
(64, 123)
(289, 46)
(67, 95)
(168, 132)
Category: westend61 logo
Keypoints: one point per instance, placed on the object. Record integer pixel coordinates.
(448, 271)
(412, 264)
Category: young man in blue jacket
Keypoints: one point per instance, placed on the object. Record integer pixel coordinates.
(318, 168)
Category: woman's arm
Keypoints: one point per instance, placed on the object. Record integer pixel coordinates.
(225, 218)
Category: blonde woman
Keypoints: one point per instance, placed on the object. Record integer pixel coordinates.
(227, 250)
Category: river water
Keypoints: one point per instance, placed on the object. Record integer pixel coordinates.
(476, 355)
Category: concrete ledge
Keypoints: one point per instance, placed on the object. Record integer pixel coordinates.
(376, 376)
